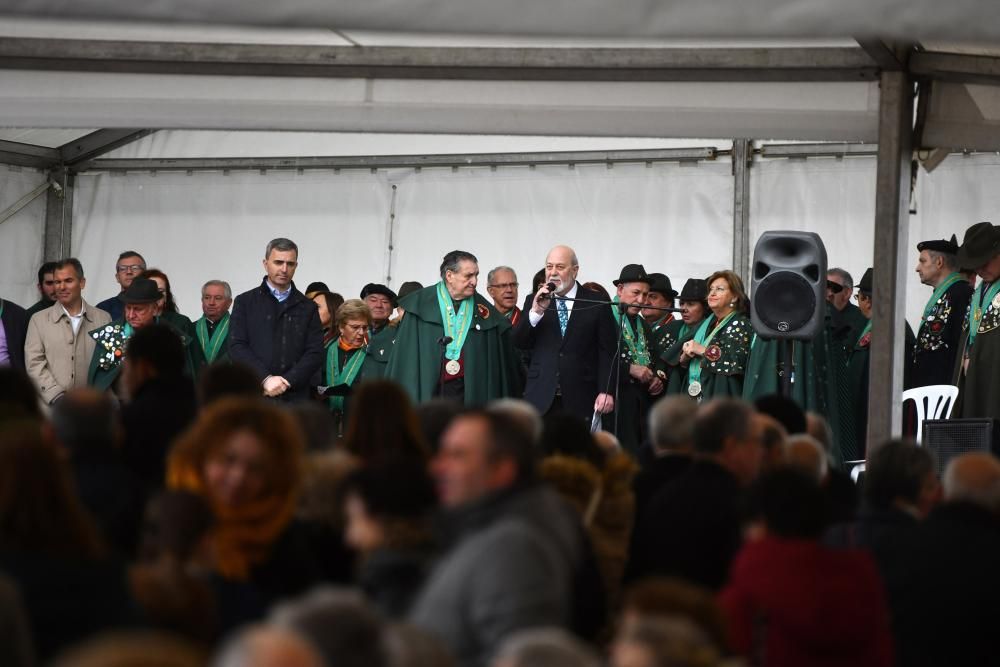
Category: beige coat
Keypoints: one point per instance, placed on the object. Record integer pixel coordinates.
(56, 359)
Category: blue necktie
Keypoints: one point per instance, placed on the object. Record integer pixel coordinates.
(563, 315)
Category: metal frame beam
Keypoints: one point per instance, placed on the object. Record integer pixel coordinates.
(892, 195)
(28, 155)
(524, 64)
(889, 57)
(402, 161)
(98, 143)
(956, 67)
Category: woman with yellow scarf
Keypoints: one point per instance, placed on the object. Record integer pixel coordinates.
(244, 457)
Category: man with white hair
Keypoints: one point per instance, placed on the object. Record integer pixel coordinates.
(262, 646)
(213, 327)
(949, 598)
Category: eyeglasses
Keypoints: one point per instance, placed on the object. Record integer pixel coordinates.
(718, 290)
(130, 268)
(503, 286)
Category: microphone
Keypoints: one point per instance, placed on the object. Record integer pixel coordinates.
(550, 286)
(444, 341)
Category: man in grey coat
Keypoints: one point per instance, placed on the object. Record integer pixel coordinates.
(515, 544)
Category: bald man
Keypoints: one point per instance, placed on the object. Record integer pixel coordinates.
(571, 342)
(946, 606)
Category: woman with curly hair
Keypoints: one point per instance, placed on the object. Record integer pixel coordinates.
(244, 457)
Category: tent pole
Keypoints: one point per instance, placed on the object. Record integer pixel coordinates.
(892, 195)
(742, 157)
(59, 215)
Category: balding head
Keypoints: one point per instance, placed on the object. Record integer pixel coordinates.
(85, 420)
(561, 267)
(805, 453)
(268, 647)
(973, 478)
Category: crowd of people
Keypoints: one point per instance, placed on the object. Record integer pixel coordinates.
(435, 478)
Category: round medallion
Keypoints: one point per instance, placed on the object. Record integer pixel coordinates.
(452, 367)
(694, 389)
(484, 312)
(713, 353)
(936, 326)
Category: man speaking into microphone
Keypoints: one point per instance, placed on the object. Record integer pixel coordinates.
(571, 338)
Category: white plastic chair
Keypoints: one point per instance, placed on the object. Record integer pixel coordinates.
(856, 468)
(932, 402)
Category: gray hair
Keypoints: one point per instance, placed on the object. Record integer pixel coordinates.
(843, 275)
(806, 453)
(281, 245)
(545, 647)
(948, 260)
(671, 423)
(493, 272)
(974, 478)
(453, 259)
(523, 414)
(339, 622)
(219, 283)
(408, 646)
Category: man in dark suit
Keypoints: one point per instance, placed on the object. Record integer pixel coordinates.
(571, 342)
(13, 329)
(275, 329)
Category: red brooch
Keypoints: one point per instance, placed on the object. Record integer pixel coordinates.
(936, 326)
(483, 311)
(713, 353)
(865, 340)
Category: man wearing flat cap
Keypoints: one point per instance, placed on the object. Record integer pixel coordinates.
(381, 301)
(638, 382)
(940, 331)
(979, 380)
(140, 304)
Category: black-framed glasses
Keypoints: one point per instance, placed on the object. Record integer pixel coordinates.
(503, 286)
(130, 268)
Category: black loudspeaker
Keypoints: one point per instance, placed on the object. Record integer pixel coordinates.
(947, 438)
(788, 285)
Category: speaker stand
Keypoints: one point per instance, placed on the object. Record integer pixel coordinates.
(786, 371)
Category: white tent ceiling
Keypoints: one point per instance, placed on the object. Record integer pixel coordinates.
(912, 19)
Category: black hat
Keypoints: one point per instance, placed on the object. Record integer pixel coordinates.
(408, 287)
(836, 288)
(866, 282)
(378, 288)
(981, 243)
(632, 273)
(142, 290)
(695, 289)
(661, 284)
(950, 247)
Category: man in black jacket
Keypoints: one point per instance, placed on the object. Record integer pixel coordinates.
(13, 328)
(275, 329)
(571, 342)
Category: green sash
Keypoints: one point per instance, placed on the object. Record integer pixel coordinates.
(335, 375)
(636, 342)
(456, 325)
(976, 308)
(868, 327)
(938, 293)
(211, 346)
(704, 337)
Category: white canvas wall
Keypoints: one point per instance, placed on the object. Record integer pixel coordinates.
(213, 225)
(20, 236)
